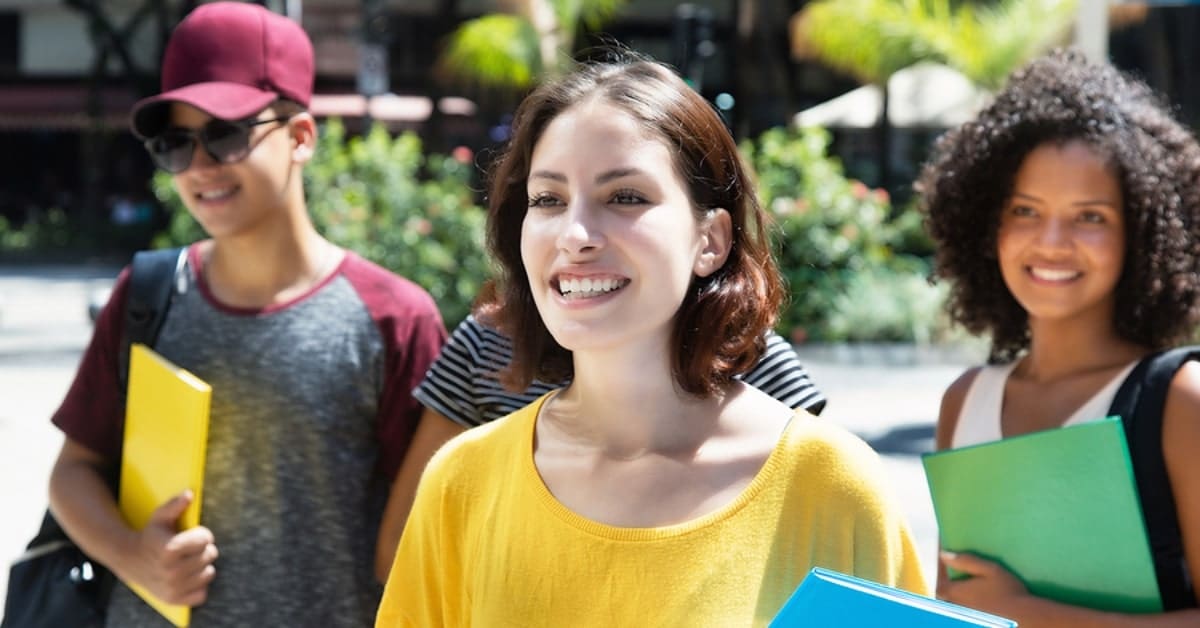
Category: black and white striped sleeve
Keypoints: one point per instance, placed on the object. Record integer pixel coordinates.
(463, 383)
(780, 374)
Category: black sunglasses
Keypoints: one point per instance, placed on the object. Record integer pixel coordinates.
(226, 141)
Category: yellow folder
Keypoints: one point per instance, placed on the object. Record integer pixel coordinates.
(166, 436)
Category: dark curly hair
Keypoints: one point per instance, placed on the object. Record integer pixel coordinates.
(718, 330)
(1059, 98)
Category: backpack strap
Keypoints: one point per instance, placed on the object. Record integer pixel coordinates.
(1140, 402)
(152, 282)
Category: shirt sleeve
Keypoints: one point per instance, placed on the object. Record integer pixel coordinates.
(780, 374)
(449, 386)
(413, 335)
(92, 413)
(853, 480)
(464, 383)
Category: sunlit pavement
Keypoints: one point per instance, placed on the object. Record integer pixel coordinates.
(44, 327)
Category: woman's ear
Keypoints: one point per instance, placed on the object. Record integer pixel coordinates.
(716, 238)
(303, 130)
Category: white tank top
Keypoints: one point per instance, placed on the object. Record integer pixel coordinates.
(979, 419)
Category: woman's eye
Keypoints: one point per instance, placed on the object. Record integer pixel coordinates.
(628, 197)
(542, 200)
(1022, 210)
(1095, 218)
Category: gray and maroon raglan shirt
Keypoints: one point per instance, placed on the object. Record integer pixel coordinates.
(311, 416)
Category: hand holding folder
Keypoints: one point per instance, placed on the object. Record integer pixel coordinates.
(1058, 508)
(166, 437)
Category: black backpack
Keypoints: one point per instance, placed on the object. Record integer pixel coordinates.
(1140, 402)
(54, 583)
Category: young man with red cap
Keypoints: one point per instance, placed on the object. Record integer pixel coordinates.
(311, 351)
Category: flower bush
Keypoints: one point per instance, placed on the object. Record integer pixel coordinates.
(852, 263)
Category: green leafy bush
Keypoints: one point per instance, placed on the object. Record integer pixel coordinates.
(383, 198)
(44, 230)
(843, 250)
(883, 304)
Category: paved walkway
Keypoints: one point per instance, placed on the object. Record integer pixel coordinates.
(44, 328)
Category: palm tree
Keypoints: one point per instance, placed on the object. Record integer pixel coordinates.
(525, 42)
(872, 39)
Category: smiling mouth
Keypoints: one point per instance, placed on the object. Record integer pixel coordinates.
(1048, 274)
(215, 195)
(588, 288)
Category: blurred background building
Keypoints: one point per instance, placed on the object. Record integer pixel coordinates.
(71, 69)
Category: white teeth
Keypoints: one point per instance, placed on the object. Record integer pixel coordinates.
(587, 287)
(1047, 274)
(211, 194)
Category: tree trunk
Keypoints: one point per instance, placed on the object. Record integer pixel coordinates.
(883, 139)
(553, 37)
(435, 132)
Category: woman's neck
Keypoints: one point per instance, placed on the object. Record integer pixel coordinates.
(629, 404)
(1060, 349)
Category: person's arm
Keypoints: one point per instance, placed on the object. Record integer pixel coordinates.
(175, 566)
(994, 589)
(426, 583)
(432, 432)
(952, 403)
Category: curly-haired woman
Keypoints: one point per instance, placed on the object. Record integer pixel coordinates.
(1066, 218)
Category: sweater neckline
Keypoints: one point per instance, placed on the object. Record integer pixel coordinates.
(765, 476)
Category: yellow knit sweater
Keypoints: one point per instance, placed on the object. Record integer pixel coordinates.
(488, 545)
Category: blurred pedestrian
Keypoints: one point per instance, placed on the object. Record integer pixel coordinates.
(311, 352)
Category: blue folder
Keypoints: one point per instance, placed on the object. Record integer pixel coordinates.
(829, 598)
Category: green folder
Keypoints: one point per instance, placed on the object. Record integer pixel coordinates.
(1058, 508)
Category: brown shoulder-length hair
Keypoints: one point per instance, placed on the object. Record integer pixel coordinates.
(720, 325)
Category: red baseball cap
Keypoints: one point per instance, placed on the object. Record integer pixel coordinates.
(230, 60)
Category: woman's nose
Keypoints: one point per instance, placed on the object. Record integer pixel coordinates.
(580, 231)
(1055, 233)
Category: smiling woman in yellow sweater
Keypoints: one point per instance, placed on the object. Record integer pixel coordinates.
(654, 489)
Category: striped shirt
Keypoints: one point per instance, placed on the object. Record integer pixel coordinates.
(463, 382)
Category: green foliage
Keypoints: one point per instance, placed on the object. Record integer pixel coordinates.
(43, 231)
(592, 13)
(380, 196)
(869, 39)
(516, 50)
(872, 39)
(997, 38)
(885, 304)
(838, 242)
(182, 228)
(54, 233)
(495, 50)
